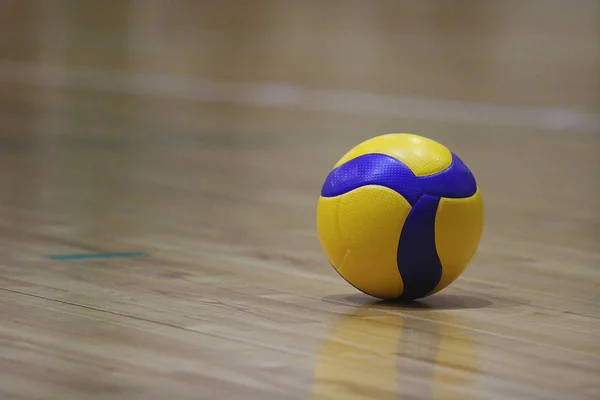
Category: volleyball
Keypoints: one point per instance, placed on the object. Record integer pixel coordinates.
(400, 216)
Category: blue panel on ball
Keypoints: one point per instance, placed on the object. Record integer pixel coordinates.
(418, 262)
(456, 181)
(373, 169)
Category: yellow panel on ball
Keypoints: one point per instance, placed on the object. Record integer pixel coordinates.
(458, 230)
(359, 232)
(422, 155)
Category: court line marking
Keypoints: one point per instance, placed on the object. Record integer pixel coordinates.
(84, 256)
(294, 97)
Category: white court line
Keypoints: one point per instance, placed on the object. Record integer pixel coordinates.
(293, 97)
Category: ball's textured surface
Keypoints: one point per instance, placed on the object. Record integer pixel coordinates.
(400, 216)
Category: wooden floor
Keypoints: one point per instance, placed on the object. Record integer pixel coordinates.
(198, 133)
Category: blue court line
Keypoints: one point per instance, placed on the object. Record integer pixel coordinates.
(84, 256)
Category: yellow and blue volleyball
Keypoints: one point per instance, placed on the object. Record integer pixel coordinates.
(400, 216)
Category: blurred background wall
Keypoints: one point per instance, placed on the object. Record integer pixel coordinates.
(531, 52)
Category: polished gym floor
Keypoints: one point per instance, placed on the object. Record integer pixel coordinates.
(160, 165)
